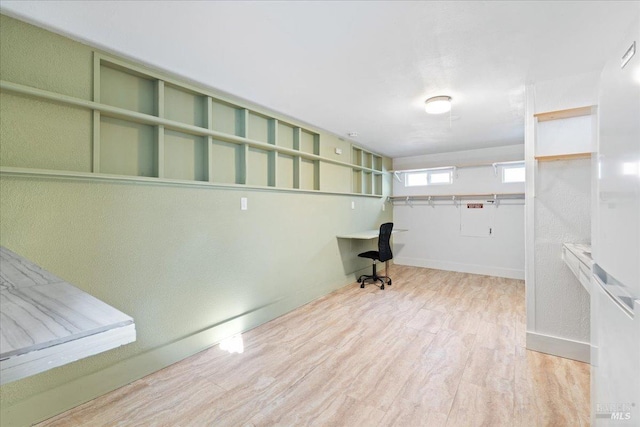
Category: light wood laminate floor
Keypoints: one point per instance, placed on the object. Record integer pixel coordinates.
(436, 348)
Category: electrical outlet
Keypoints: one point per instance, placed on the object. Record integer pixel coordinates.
(243, 204)
(338, 150)
(353, 205)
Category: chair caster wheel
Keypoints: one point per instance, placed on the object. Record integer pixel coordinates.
(389, 282)
(362, 286)
(359, 281)
(382, 287)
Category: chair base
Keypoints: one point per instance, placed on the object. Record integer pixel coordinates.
(374, 278)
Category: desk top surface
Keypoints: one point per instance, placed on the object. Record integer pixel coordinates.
(40, 310)
(367, 234)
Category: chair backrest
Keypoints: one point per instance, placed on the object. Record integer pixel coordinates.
(384, 246)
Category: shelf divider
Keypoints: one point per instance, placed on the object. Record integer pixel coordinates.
(272, 138)
(159, 98)
(96, 115)
(208, 117)
(316, 163)
(159, 134)
(159, 129)
(96, 142)
(242, 129)
(297, 135)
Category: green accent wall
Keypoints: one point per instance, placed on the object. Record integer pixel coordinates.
(184, 261)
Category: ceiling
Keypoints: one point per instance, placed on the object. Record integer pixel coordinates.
(360, 66)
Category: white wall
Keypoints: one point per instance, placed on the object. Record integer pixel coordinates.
(562, 214)
(434, 238)
(567, 92)
(482, 155)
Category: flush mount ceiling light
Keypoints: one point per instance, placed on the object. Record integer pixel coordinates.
(438, 104)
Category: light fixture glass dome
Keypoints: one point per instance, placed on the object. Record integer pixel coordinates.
(438, 104)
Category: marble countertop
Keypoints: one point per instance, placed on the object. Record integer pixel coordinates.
(41, 311)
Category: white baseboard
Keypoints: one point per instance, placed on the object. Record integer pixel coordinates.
(509, 273)
(39, 407)
(569, 349)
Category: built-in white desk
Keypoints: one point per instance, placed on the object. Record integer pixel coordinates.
(47, 322)
(368, 235)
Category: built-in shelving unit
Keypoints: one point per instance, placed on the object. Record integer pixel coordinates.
(367, 177)
(148, 126)
(565, 134)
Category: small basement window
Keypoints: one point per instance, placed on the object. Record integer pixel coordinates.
(513, 173)
(428, 177)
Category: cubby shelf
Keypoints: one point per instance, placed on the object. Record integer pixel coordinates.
(149, 126)
(367, 172)
(565, 134)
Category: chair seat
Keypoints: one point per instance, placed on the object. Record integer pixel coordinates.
(370, 254)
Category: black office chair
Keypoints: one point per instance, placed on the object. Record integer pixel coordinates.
(382, 254)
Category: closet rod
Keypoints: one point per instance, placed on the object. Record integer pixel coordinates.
(502, 196)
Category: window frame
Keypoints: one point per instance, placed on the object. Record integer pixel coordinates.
(505, 168)
(429, 173)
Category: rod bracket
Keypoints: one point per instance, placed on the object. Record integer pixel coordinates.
(408, 201)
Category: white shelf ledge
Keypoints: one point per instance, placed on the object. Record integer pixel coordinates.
(147, 119)
(90, 176)
(578, 259)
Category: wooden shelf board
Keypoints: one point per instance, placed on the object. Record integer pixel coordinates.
(564, 114)
(134, 116)
(573, 156)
